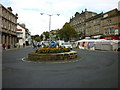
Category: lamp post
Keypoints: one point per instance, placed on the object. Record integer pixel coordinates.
(49, 22)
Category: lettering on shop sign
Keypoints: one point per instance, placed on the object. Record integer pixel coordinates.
(18, 29)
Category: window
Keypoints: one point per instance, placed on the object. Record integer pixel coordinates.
(112, 31)
(97, 29)
(98, 21)
(20, 35)
(109, 22)
(86, 24)
(106, 31)
(106, 15)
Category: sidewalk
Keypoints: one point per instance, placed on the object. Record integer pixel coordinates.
(15, 48)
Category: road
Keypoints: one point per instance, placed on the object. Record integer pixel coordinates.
(92, 69)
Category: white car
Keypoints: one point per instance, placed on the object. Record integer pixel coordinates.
(66, 45)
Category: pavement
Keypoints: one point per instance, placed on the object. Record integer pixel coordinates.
(15, 48)
(92, 69)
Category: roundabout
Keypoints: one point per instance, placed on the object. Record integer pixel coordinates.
(52, 57)
(91, 69)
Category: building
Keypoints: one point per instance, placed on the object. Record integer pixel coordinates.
(28, 40)
(78, 22)
(54, 31)
(8, 22)
(54, 34)
(111, 24)
(23, 35)
(93, 26)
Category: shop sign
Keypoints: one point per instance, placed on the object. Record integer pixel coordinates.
(18, 29)
(116, 31)
(112, 38)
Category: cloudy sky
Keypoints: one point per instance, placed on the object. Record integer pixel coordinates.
(29, 11)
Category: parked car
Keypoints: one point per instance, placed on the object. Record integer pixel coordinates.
(66, 45)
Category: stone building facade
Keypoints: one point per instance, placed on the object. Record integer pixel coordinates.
(111, 23)
(93, 26)
(78, 22)
(8, 26)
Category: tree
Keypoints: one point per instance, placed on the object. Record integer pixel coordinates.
(36, 38)
(41, 37)
(67, 32)
(46, 35)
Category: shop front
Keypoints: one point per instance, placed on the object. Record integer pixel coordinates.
(112, 37)
(8, 39)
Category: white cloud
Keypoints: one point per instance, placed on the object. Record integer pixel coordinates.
(29, 11)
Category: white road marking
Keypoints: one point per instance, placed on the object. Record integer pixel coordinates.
(23, 59)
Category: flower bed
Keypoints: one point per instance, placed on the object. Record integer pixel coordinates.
(52, 54)
(51, 50)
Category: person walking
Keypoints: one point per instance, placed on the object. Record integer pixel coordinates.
(15, 45)
(34, 46)
(23, 44)
(4, 46)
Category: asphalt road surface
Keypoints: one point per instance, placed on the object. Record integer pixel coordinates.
(92, 69)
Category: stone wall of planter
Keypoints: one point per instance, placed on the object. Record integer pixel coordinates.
(52, 57)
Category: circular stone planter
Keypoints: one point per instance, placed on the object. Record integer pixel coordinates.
(53, 56)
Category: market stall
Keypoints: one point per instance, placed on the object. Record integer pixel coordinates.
(98, 44)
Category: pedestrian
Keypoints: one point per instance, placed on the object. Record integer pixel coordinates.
(23, 44)
(43, 45)
(4, 46)
(38, 45)
(15, 45)
(34, 46)
(18, 45)
(88, 45)
(8, 46)
(85, 45)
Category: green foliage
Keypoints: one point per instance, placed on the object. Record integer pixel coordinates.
(46, 35)
(36, 38)
(41, 37)
(67, 32)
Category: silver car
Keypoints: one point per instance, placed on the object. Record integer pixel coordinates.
(66, 45)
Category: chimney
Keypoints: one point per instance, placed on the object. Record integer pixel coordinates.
(85, 9)
(10, 9)
(16, 14)
(23, 25)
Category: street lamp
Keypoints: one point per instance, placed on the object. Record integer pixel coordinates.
(49, 22)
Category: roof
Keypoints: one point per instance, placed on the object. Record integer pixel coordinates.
(94, 17)
(9, 10)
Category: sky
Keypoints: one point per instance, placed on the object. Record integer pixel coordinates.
(29, 11)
